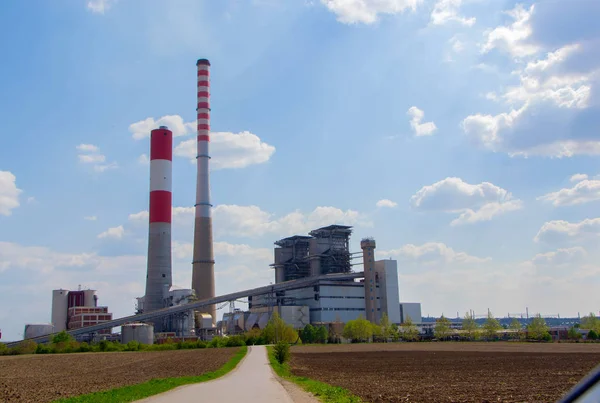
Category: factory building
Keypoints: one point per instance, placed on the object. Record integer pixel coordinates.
(181, 324)
(325, 251)
(76, 309)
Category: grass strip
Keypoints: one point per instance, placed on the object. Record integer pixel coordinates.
(154, 386)
(323, 391)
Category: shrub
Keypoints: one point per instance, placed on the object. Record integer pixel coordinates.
(282, 352)
(132, 345)
(546, 337)
(84, 347)
(103, 345)
(200, 344)
(217, 342)
(3, 349)
(235, 341)
(592, 335)
(44, 349)
(25, 347)
(188, 345)
(62, 337)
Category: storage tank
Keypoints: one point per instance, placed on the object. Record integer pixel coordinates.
(90, 299)
(205, 320)
(59, 309)
(140, 332)
(37, 329)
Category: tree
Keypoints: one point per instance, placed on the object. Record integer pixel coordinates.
(358, 330)
(537, 329)
(591, 322)
(592, 335)
(322, 334)
(442, 328)
(386, 328)
(574, 333)
(516, 327)
(277, 330)
(62, 337)
(491, 327)
(470, 326)
(395, 331)
(308, 334)
(408, 330)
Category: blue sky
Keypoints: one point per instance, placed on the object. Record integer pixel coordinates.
(449, 130)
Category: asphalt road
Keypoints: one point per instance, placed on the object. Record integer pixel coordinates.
(252, 381)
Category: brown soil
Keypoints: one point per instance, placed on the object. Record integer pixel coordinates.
(449, 372)
(44, 378)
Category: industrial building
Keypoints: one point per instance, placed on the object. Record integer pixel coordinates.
(326, 251)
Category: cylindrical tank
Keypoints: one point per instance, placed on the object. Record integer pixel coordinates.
(89, 298)
(140, 332)
(59, 309)
(35, 330)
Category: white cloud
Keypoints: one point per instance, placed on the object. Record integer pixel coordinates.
(142, 216)
(559, 231)
(90, 154)
(175, 123)
(367, 11)
(251, 221)
(386, 203)
(584, 191)
(446, 11)
(31, 200)
(143, 159)
(474, 202)
(432, 253)
(578, 177)
(230, 150)
(105, 167)
(99, 6)
(420, 129)
(9, 193)
(87, 148)
(90, 218)
(114, 232)
(560, 257)
(91, 158)
(15, 256)
(512, 38)
(457, 45)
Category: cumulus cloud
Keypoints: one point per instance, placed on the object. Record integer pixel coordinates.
(140, 130)
(584, 191)
(432, 253)
(230, 150)
(99, 6)
(446, 11)
(367, 11)
(90, 154)
(475, 203)
(113, 232)
(554, 109)
(560, 231)
(420, 129)
(578, 177)
(386, 203)
(9, 193)
(560, 257)
(252, 221)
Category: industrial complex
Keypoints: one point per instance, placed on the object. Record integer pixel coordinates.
(313, 277)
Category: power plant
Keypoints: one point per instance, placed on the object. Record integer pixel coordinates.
(313, 277)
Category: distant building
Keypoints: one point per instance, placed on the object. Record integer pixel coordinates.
(76, 309)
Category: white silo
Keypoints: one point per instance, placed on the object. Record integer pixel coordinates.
(59, 309)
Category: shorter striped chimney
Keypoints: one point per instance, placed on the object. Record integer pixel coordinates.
(159, 274)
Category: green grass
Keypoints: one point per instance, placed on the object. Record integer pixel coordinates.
(324, 392)
(154, 386)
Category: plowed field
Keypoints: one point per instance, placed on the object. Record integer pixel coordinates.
(449, 372)
(44, 378)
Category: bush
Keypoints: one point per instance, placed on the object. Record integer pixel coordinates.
(62, 337)
(217, 342)
(132, 345)
(187, 345)
(200, 344)
(592, 335)
(84, 347)
(103, 345)
(25, 347)
(235, 341)
(282, 352)
(3, 349)
(44, 349)
(547, 337)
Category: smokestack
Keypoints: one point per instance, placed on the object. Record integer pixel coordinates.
(368, 247)
(203, 265)
(159, 277)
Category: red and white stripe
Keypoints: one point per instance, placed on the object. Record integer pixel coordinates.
(203, 205)
(161, 157)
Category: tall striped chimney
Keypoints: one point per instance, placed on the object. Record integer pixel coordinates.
(203, 265)
(159, 276)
